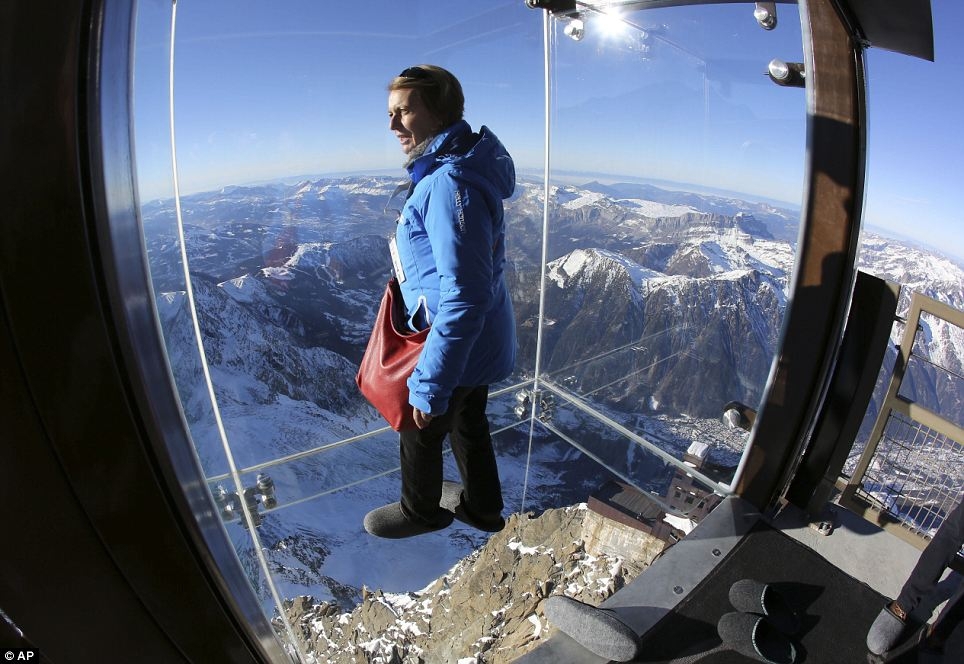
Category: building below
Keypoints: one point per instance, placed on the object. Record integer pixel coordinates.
(620, 513)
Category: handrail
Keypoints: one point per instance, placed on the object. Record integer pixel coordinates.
(929, 429)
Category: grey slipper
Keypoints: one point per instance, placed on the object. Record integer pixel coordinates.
(453, 500)
(389, 521)
(598, 630)
(885, 631)
(751, 596)
(913, 639)
(755, 637)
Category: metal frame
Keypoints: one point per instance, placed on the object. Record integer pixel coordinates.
(904, 27)
(826, 255)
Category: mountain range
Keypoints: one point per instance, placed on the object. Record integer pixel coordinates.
(659, 307)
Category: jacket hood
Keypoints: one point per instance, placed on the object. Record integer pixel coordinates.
(481, 153)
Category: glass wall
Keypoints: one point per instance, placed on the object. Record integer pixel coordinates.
(649, 277)
(674, 199)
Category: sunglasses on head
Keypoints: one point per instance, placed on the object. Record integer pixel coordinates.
(417, 73)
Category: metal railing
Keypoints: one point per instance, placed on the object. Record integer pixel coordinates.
(911, 472)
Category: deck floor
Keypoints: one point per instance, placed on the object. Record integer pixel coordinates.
(856, 555)
(835, 609)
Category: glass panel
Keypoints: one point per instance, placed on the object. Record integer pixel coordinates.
(176, 299)
(277, 250)
(676, 184)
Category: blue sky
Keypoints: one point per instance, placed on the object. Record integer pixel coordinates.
(268, 90)
(915, 146)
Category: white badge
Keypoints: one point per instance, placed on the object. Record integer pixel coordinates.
(396, 261)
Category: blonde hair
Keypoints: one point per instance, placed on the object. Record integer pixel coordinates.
(438, 89)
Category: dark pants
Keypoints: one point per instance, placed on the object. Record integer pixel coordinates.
(930, 567)
(421, 454)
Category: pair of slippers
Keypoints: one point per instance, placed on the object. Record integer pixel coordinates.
(760, 628)
(762, 624)
(390, 522)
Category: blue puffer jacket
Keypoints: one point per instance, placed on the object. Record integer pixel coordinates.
(451, 253)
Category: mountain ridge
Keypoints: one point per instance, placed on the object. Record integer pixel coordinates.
(656, 322)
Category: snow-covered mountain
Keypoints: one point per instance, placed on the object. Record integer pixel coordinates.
(673, 327)
(660, 307)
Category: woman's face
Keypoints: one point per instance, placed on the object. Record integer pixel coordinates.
(408, 118)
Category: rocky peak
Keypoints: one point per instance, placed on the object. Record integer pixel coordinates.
(488, 607)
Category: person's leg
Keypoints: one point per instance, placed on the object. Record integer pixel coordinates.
(420, 452)
(472, 449)
(418, 511)
(933, 561)
(891, 624)
(948, 635)
(949, 623)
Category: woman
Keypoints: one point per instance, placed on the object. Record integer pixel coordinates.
(449, 258)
